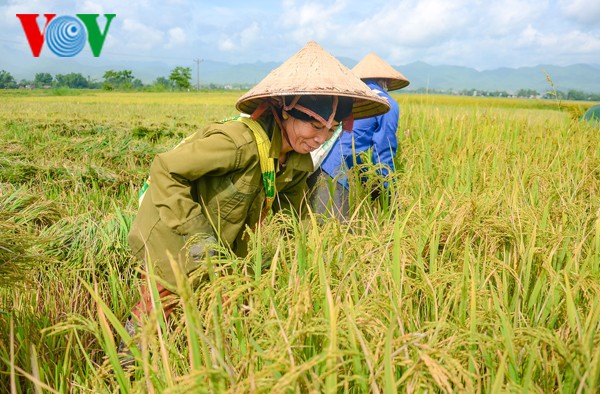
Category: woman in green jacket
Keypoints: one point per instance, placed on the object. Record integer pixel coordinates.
(219, 182)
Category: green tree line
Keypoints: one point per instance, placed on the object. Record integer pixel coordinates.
(180, 79)
(571, 94)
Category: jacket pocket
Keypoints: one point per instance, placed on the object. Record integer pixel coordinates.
(227, 200)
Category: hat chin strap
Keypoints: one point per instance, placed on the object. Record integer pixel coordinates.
(327, 123)
(257, 113)
(348, 122)
(269, 104)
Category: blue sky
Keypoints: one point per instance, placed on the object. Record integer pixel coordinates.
(479, 34)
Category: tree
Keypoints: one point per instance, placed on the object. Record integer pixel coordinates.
(163, 83)
(181, 76)
(72, 80)
(137, 83)
(573, 94)
(7, 81)
(118, 79)
(42, 79)
(23, 83)
(527, 93)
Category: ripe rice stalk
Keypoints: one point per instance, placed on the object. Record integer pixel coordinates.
(498, 205)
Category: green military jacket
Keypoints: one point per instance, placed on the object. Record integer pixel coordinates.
(211, 184)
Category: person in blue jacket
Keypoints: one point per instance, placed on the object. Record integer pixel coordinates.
(329, 183)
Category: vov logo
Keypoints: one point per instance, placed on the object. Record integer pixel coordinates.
(65, 35)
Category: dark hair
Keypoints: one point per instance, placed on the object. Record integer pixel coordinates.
(322, 105)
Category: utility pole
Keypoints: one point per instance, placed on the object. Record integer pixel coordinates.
(198, 61)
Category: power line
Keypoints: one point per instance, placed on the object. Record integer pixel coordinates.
(198, 61)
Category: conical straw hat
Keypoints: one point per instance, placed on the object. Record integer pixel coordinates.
(314, 71)
(374, 67)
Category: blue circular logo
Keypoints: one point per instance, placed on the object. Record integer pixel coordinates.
(65, 36)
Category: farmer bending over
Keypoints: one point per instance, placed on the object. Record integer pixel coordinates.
(220, 181)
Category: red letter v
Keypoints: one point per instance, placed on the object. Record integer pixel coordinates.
(32, 31)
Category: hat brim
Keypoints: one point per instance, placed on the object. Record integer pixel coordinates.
(362, 108)
(374, 67)
(313, 71)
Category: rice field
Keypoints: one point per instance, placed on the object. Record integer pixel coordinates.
(480, 273)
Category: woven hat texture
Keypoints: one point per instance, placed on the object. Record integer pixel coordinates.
(313, 71)
(374, 67)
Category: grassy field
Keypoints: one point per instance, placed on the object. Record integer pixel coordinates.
(481, 273)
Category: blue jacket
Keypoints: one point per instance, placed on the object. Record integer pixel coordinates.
(378, 132)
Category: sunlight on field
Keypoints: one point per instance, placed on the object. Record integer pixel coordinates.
(123, 108)
(479, 273)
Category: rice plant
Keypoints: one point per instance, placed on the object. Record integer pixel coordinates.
(479, 271)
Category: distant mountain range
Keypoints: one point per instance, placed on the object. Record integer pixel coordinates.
(582, 77)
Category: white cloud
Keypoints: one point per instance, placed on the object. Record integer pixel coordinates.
(582, 43)
(311, 21)
(313, 14)
(177, 37)
(582, 10)
(227, 45)
(140, 36)
(249, 35)
(574, 42)
(530, 37)
(509, 16)
(92, 7)
(409, 24)
(241, 41)
(476, 33)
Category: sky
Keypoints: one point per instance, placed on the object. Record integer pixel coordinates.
(484, 35)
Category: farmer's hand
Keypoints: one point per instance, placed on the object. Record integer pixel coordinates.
(200, 246)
